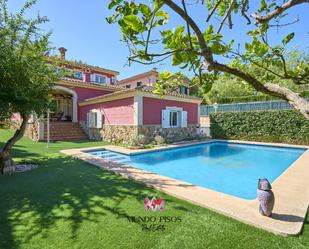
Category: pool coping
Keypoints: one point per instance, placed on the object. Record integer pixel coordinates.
(291, 188)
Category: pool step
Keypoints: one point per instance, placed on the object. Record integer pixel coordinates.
(112, 156)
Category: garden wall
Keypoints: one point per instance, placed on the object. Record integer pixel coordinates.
(283, 126)
(125, 133)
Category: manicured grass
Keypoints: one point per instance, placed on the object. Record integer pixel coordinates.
(67, 203)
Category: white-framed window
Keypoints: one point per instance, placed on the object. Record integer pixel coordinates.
(100, 79)
(113, 80)
(78, 75)
(183, 90)
(173, 117)
(94, 119)
(128, 86)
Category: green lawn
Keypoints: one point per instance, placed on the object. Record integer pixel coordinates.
(67, 203)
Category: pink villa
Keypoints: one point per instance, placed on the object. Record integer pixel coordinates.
(92, 104)
(147, 79)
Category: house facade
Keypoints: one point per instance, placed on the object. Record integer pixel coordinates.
(122, 115)
(148, 78)
(93, 102)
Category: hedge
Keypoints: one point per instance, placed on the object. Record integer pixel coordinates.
(279, 126)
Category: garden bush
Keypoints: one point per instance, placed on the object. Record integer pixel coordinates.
(159, 139)
(282, 126)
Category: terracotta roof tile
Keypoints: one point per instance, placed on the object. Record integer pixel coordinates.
(176, 94)
(117, 88)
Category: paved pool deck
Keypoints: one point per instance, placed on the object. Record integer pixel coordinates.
(291, 189)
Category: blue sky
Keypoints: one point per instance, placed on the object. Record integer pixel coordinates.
(80, 26)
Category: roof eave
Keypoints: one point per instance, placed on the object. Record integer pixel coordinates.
(124, 81)
(81, 66)
(72, 82)
(134, 92)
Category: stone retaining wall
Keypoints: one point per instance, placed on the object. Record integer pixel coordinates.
(112, 133)
(32, 131)
(119, 133)
(125, 133)
(170, 134)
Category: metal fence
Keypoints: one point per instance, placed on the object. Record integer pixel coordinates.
(245, 107)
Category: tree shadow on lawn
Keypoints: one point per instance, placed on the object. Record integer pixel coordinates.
(21, 151)
(64, 189)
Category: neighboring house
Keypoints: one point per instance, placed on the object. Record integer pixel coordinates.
(90, 101)
(148, 78)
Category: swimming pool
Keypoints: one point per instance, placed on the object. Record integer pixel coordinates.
(226, 167)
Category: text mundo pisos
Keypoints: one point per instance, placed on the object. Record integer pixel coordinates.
(154, 223)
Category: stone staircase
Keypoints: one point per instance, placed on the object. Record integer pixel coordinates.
(64, 131)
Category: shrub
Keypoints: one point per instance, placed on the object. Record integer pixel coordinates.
(137, 140)
(141, 139)
(283, 126)
(149, 146)
(159, 139)
(133, 142)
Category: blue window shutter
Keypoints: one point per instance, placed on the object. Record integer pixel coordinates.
(165, 118)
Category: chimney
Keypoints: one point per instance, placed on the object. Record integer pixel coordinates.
(62, 51)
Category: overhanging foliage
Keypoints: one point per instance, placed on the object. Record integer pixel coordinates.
(200, 47)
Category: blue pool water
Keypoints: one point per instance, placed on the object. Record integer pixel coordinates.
(225, 167)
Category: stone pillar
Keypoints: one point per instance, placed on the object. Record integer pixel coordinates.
(138, 110)
(41, 130)
(198, 130)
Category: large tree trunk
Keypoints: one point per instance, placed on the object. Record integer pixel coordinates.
(5, 154)
(298, 102)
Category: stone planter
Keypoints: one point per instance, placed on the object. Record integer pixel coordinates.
(19, 168)
(8, 170)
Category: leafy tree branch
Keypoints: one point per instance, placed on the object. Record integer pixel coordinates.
(197, 48)
(277, 11)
